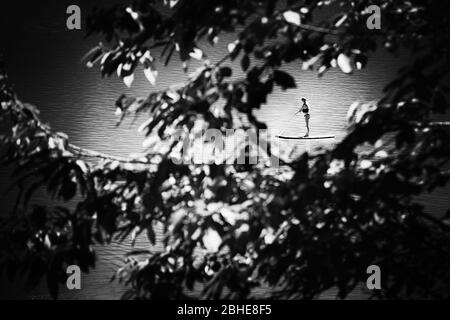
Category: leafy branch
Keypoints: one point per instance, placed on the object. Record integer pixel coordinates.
(314, 224)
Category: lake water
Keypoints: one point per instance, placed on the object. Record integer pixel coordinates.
(43, 60)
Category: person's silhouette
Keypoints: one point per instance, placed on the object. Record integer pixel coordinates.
(305, 109)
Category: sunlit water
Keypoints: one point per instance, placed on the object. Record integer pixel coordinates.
(44, 64)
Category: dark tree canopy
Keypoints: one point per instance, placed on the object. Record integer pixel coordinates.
(315, 223)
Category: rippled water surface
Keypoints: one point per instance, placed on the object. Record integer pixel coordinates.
(44, 63)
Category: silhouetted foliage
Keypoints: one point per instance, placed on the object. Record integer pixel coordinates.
(313, 224)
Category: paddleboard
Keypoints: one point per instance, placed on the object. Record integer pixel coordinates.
(307, 138)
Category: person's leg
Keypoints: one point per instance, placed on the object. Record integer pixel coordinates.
(307, 124)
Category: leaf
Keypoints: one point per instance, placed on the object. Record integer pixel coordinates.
(212, 240)
(52, 143)
(225, 71)
(196, 54)
(128, 80)
(93, 52)
(150, 141)
(229, 215)
(95, 58)
(322, 70)
(245, 62)
(151, 75)
(171, 3)
(234, 48)
(137, 252)
(185, 66)
(292, 17)
(344, 63)
(105, 57)
(308, 64)
(82, 165)
(284, 79)
(125, 69)
(134, 15)
(110, 63)
(146, 59)
(340, 21)
(151, 235)
(62, 135)
(360, 61)
(47, 242)
(352, 110)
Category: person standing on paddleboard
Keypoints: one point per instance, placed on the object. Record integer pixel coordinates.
(305, 110)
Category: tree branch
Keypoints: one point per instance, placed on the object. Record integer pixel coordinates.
(83, 152)
(439, 123)
(79, 151)
(319, 29)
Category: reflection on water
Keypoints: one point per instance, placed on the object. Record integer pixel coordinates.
(46, 69)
